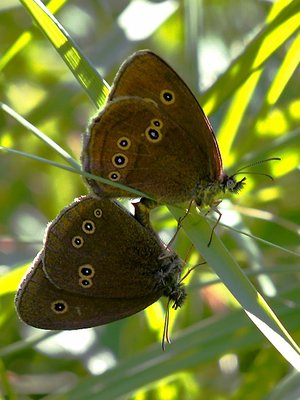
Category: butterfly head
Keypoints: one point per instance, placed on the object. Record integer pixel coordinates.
(231, 184)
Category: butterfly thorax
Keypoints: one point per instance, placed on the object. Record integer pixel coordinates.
(208, 193)
(169, 279)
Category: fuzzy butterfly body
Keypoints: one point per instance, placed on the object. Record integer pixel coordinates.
(98, 265)
(153, 136)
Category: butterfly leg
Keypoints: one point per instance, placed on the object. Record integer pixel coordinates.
(190, 270)
(179, 223)
(214, 208)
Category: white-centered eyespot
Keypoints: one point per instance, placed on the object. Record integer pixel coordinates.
(59, 306)
(167, 96)
(77, 242)
(157, 123)
(86, 283)
(119, 160)
(88, 226)
(86, 271)
(153, 135)
(114, 176)
(98, 213)
(124, 143)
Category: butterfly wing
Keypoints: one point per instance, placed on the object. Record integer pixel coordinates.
(146, 75)
(41, 304)
(95, 248)
(170, 171)
(154, 160)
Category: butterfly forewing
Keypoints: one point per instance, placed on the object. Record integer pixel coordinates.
(95, 248)
(152, 135)
(146, 75)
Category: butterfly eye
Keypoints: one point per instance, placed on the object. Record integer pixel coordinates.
(88, 227)
(77, 242)
(114, 176)
(85, 282)
(153, 135)
(86, 271)
(119, 160)
(167, 97)
(233, 186)
(124, 143)
(98, 213)
(59, 306)
(230, 183)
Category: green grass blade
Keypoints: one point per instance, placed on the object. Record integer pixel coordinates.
(257, 53)
(79, 65)
(25, 38)
(75, 170)
(218, 257)
(198, 345)
(54, 146)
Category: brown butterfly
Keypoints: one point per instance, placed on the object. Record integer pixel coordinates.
(98, 265)
(153, 136)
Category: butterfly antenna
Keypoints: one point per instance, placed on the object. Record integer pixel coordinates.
(254, 173)
(256, 163)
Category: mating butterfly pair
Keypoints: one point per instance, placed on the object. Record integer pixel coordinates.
(98, 263)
